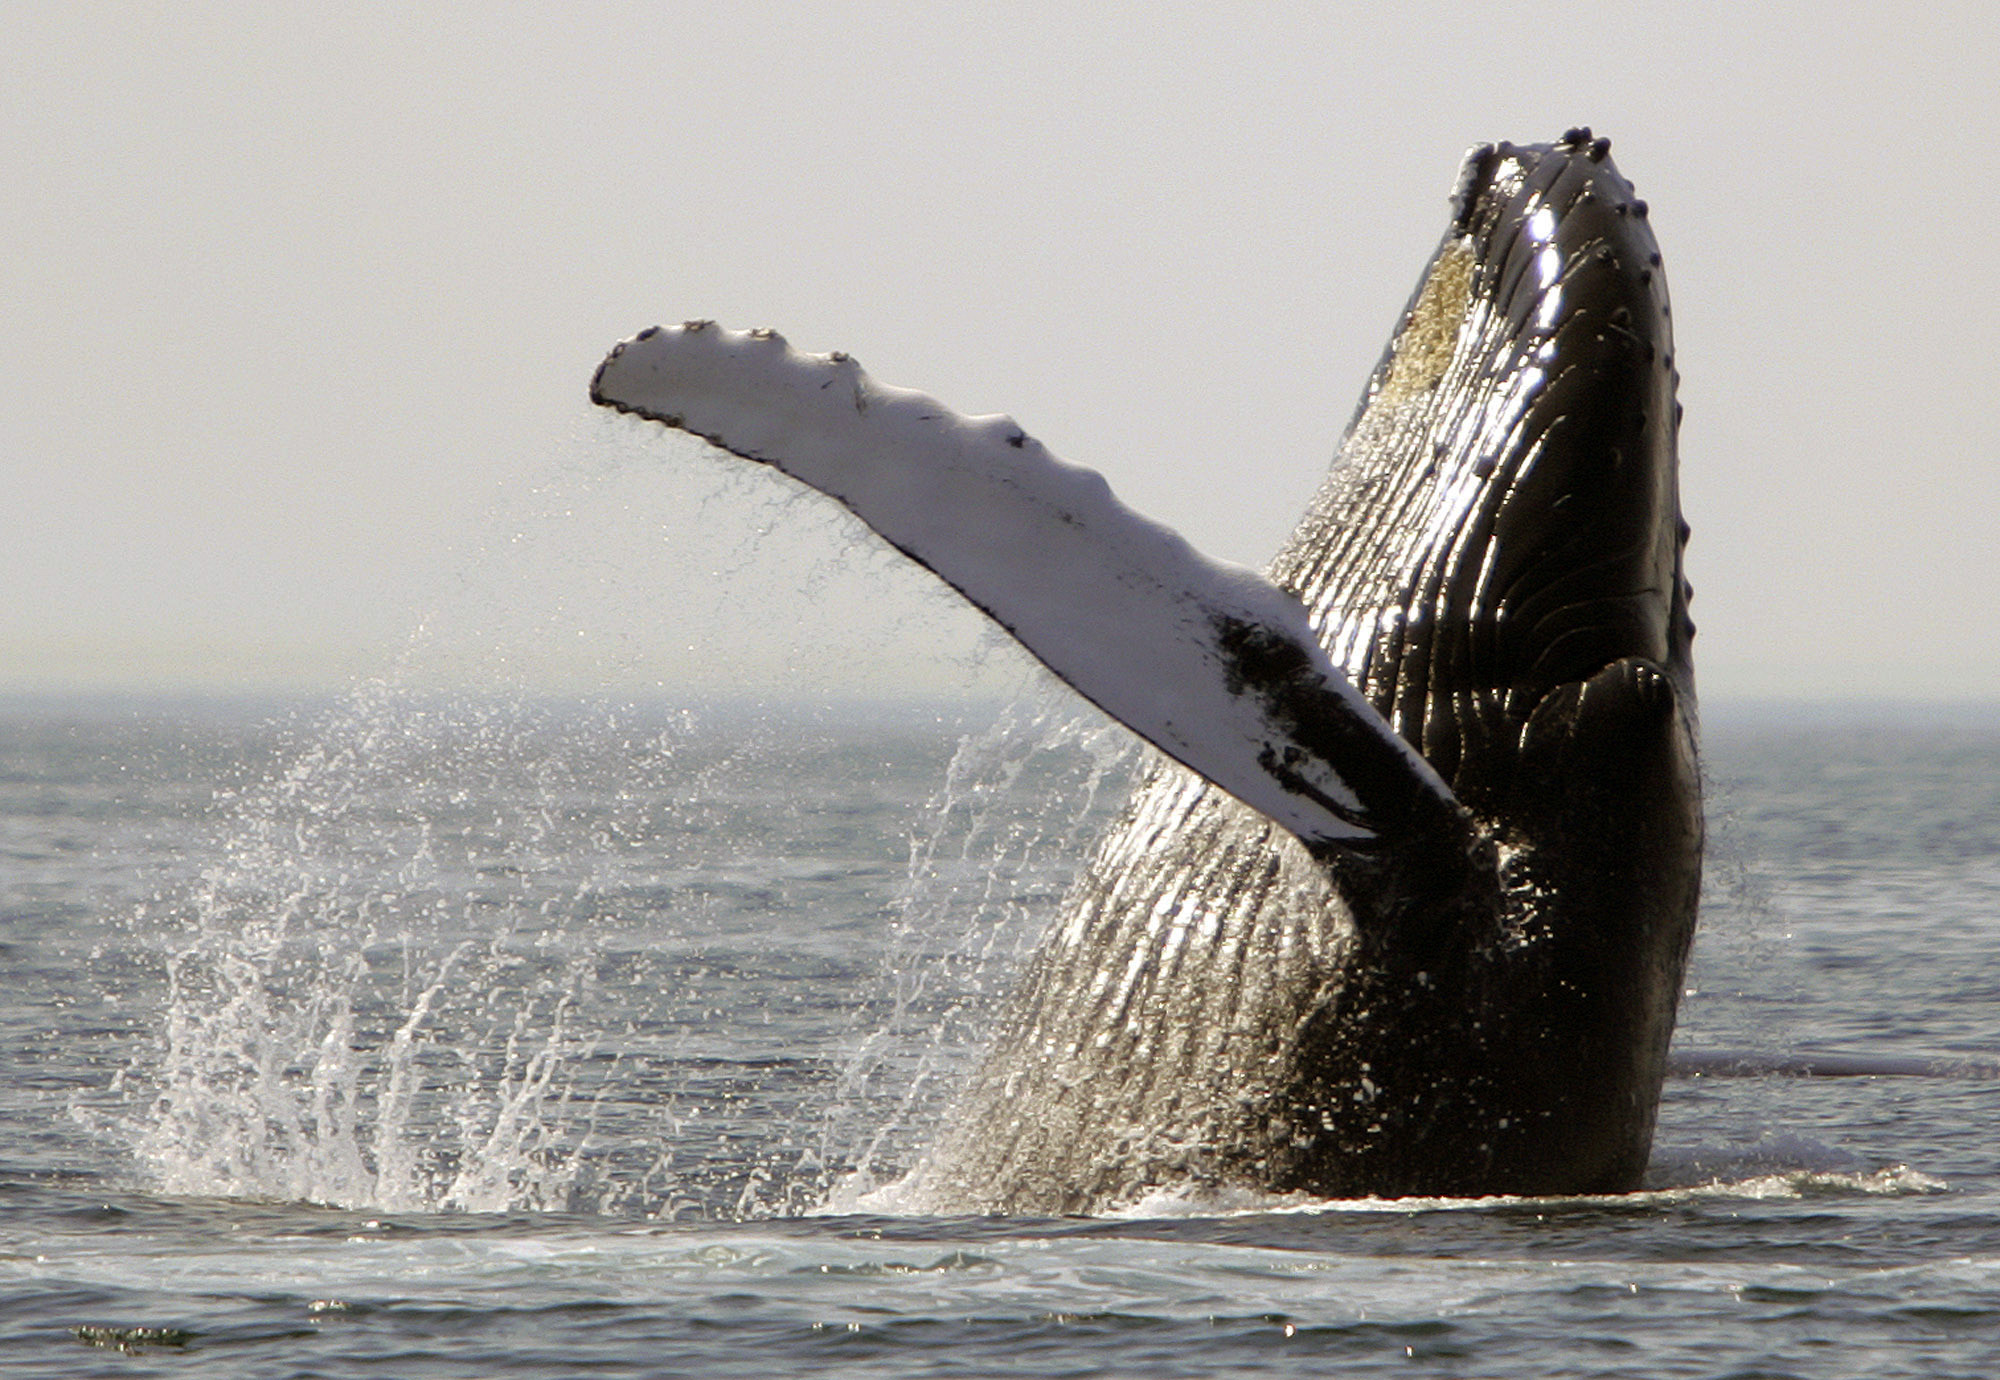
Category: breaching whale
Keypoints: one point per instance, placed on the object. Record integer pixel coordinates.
(1406, 907)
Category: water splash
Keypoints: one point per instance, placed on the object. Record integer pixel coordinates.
(1007, 830)
(370, 997)
(458, 955)
(445, 959)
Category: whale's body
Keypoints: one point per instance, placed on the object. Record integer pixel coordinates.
(1409, 908)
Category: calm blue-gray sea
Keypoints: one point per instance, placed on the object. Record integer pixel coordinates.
(439, 1038)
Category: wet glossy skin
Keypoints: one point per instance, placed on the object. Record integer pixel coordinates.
(1481, 1001)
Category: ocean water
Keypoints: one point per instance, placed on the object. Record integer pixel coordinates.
(428, 1037)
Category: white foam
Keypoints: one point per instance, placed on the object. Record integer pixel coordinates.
(1184, 1201)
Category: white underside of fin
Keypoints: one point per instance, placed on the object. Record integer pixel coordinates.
(1120, 607)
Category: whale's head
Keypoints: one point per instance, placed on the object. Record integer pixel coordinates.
(1504, 519)
(1495, 560)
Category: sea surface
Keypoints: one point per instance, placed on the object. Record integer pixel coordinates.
(433, 1037)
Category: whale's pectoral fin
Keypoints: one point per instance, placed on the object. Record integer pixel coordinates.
(1209, 662)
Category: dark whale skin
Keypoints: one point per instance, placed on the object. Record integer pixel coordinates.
(1480, 1000)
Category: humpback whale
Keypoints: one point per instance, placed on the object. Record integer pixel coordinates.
(1404, 907)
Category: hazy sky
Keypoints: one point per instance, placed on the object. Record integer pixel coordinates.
(301, 303)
